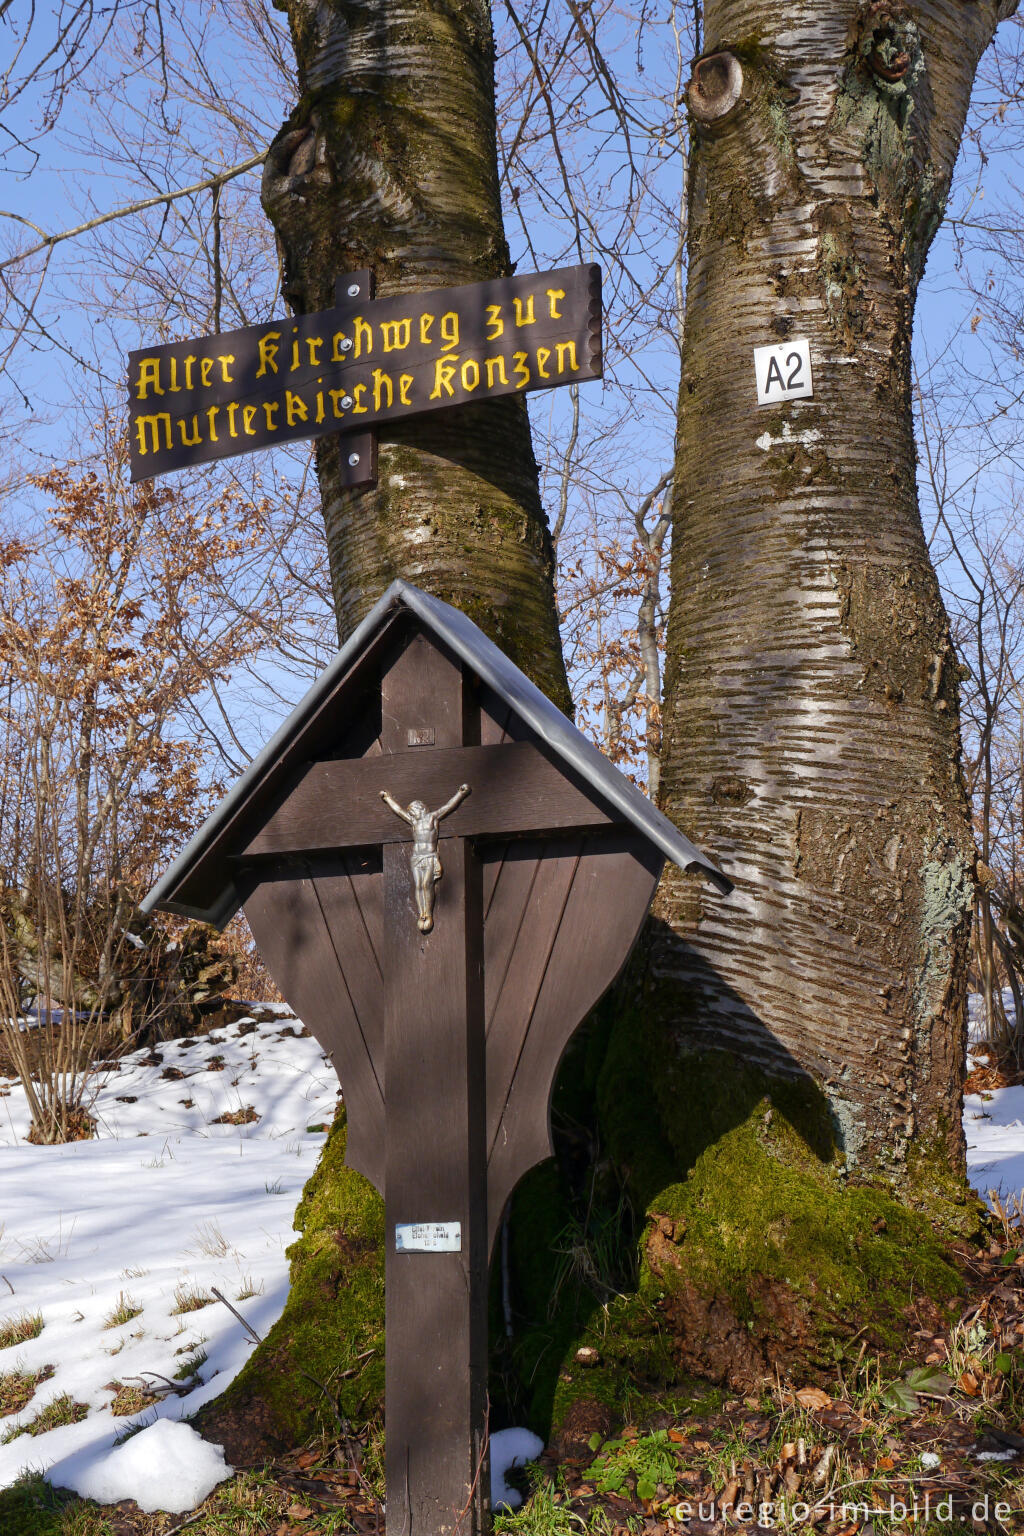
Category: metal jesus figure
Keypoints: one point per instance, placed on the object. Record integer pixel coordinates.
(424, 859)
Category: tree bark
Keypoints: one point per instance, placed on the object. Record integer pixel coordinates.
(389, 162)
(811, 718)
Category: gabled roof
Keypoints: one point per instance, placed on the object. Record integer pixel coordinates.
(303, 731)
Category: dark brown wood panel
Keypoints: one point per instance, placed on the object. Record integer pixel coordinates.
(514, 997)
(586, 954)
(292, 935)
(351, 896)
(435, 1303)
(508, 883)
(515, 789)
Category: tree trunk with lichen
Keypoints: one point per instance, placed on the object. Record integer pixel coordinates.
(389, 162)
(811, 737)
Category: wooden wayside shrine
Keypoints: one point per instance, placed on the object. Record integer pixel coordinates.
(443, 877)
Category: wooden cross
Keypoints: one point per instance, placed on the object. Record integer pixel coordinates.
(446, 1020)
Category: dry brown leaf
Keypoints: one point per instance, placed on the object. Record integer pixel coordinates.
(298, 1511)
(813, 1397)
(968, 1383)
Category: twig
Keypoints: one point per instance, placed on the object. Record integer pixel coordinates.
(49, 241)
(250, 1330)
(189, 1520)
(8, 1284)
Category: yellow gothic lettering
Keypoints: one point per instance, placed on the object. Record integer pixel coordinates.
(554, 294)
(543, 356)
(337, 355)
(319, 404)
(295, 408)
(186, 441)
(211, 417)
(358, 391)
(313, 345)
(154, 423)
(188, 370)
(496, 325)
(381, 383)
(248, 417)
(521, 372)
(149, 378)
(296, 359)
(362, 329)
(232, 410)
(224, 359)
(270, 410)
(205, 369)
(337, 396)
(174, 386)
(567, 348)
(444, 372)
(397, 334)
(529, 318)
(404, 386)
(269, 349)
(495, 365)
(426, 326)
(470, 374)
(450, 330)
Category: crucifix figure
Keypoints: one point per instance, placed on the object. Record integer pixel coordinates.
(424, 859)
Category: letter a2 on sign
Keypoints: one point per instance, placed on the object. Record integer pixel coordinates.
(783, 372)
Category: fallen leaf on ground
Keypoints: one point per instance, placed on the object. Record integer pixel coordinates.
(813, 1397)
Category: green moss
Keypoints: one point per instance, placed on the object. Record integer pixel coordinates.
(761, 1204)
(334, 1313)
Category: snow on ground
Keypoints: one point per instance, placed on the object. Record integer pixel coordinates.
(994, 1126)
(118, 1243)
(145, 1220)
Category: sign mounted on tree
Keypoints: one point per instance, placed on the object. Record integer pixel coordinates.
(443, 958)
(360, 365)
(783, 372)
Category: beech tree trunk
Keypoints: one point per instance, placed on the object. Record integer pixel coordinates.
(389, 162)
(811, 736)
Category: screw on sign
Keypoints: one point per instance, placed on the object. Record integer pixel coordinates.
(442, 958)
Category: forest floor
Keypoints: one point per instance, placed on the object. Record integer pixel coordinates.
(136, 1278)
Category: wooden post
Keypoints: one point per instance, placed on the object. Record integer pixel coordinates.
(434, 1080)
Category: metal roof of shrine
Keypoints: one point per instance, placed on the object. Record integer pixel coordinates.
(304, 730)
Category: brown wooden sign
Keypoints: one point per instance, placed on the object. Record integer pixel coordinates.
(360, 365)
(443, 876)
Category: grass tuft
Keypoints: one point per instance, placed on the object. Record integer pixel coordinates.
(123, 1312)
(17, 1330)
(190, 1298)
(130, 1398)
(17, 1387)
(60, 1411)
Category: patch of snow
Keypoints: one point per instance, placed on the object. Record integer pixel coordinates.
(994, 1126)
(97, 1225)
(510, 1448)
(165, 1467)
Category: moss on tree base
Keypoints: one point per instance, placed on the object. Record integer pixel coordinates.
(311, 1360)
(755, 1250)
